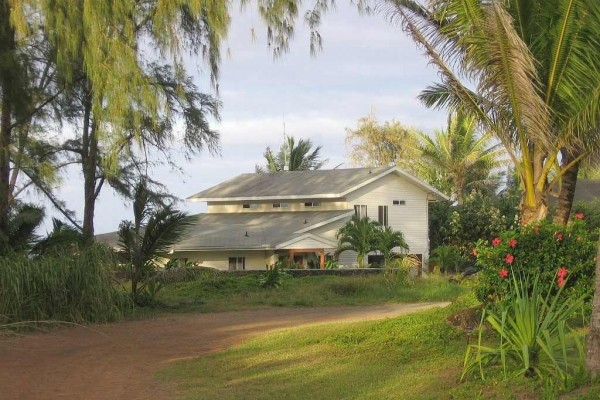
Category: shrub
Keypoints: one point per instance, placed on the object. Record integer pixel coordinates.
(538, 249)
(535, 339)
(347, 288)
(398, 270)
(66, 287)
(447, 258)
(590, 210)
(273, 278)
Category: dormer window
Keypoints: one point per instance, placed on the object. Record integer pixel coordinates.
(312, 204)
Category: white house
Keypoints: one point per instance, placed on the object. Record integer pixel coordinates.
(253, 220)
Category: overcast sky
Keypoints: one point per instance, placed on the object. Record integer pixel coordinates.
(367, 65)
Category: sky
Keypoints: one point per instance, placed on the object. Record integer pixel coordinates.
(367, 65)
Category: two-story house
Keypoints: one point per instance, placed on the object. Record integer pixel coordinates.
(253, 220)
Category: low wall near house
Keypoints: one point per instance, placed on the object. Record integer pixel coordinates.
(315, 272)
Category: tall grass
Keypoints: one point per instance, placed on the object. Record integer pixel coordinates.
(73, 287)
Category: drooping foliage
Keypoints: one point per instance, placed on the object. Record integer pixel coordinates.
(293, 156)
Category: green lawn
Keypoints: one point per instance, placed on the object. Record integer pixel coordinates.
(415, 356)
(223, 292)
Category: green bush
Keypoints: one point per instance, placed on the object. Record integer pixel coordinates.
(590, 210)
(535, 339)
(273, 278)
(447, 258)
(66, 287)
(537, 249)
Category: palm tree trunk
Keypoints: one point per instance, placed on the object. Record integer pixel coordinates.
(567, 191)
(593, 341)
(534, 205)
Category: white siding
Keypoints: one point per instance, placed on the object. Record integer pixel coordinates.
(267, 206)
(255, 259)
(411, 218)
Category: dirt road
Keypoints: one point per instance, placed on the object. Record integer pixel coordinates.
(118, 361)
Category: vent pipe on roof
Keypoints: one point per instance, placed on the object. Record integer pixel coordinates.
(246, 234)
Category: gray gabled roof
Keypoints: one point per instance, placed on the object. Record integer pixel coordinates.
(259, 230)
(333, 183)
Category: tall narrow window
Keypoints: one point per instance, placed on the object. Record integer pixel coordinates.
(237, 263)
(360, 210)
(383, 215)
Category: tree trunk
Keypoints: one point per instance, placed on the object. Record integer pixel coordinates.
(567, 191)
(530, 214)
(89, 160)
(593, 341)
(7, 49)
(535, 209)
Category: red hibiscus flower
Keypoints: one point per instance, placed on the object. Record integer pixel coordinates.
(559, 236)
(579, 216)
(512, 243)
(509, 258)
(496, 241)
(503, 273)
(562, 272)
(560, 281)
(474, 251)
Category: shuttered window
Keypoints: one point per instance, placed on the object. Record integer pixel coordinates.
(383, 215)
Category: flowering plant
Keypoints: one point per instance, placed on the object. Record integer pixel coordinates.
(551, 251)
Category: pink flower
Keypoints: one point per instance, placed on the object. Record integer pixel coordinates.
(562, 272)
(503, 273)
(509, 258)
(474, 251)
(496, 241)
(512, 243)
(559, 236)
(580, 215)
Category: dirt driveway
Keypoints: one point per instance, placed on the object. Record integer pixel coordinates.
(118, 361)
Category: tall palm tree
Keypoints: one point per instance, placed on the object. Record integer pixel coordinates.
(527, 70)
(461, 157)
(154, 230)
(359, 235)
(293, 156)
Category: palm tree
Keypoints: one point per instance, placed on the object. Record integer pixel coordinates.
(62, 237)
(537, 87)
(536, 83)
(155, 229)
(593, 340)
(461, 159)
(359, 235)
(293, 156)
(387, 239)
(23, 220)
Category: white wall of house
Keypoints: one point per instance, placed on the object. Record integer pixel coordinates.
(255, 259)
(410, 218)
(267, 206)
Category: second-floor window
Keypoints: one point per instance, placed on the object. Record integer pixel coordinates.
(312, 204)
(250, 205)
(360, 210)
(383, 215)
(280, 205)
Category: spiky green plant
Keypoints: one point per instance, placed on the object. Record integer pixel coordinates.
(534, 337)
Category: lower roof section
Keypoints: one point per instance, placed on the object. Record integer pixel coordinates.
(261, 230)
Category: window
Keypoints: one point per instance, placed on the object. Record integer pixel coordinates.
(382, 215)
(250, 205)
(360, 210)
(312, 204)
(237, 263)
(280, 205)
(399, 202)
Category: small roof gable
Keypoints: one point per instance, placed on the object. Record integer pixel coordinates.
(333, 183)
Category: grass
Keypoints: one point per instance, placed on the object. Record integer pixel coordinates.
(222, 292)
(416, 356)
(62, 287)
